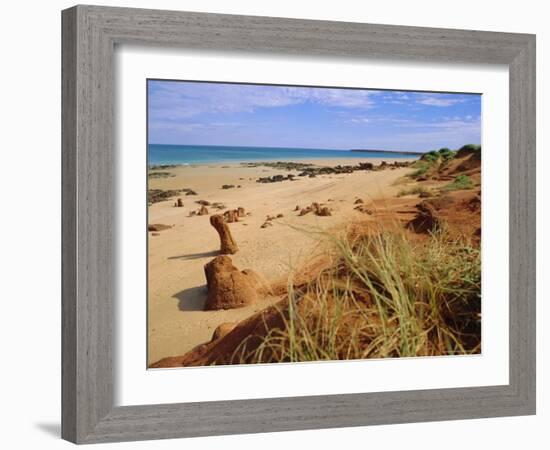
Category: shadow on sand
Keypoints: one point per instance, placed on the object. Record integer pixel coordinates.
(209, 254)
(192, 299)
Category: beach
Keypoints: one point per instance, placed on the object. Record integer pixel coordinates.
(177, 322)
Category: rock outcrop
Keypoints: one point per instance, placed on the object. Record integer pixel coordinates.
(158, 227)
(364, 209)
(317, 209)
(228, 287)
(223, 329)
(231, 216)
(427, 218)
(228, 246)
(203, 211)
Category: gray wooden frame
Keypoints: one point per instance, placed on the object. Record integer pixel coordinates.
(89, 37)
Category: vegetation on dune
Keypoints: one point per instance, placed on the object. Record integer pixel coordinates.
(427, 161)
(421, 168)
(446, 154)
(386, 296)
(470, 148)
(460, 182)
(436, 160)
(415, 190)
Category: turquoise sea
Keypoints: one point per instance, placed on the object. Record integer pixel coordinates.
(195, 154)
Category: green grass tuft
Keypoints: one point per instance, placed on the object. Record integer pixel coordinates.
(421, 168)
(461, 182)
(415, 190)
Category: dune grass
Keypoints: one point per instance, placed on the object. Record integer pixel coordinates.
(385, 296)
(415, 190)
(421, 168)
(460, 182)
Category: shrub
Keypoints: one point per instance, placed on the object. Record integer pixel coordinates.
(471, 148)
(430, 157)
(421, 169)
(446, 154)
(459, 183)
(415, 190)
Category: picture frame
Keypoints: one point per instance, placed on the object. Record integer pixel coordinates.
(90, 34)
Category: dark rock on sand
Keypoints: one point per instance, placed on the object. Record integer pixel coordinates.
(364, 209)
(158, 227)
(160, 175)
(275, 178)
(159, 195)
(426, 219)
(317, 209)
(203, 211)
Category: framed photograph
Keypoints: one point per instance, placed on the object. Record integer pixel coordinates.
(278, 224)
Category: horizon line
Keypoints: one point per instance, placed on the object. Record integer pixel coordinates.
(299, 148)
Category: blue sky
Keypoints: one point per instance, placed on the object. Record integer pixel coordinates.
(191, 113)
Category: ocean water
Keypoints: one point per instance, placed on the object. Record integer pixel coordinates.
(195, 154)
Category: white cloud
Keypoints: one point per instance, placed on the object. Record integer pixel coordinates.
(177, 100)
(190, 127)
(359, 120)
(439, 100)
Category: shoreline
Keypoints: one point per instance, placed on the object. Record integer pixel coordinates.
(324, 161)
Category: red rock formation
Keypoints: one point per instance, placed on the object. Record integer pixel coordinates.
(231, 216)
(364, 209)
(203, 211)
(223, 329)
(426, 220)
(228, 287)
(227, 243)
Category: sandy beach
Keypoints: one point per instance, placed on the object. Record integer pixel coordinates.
(177, 286)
